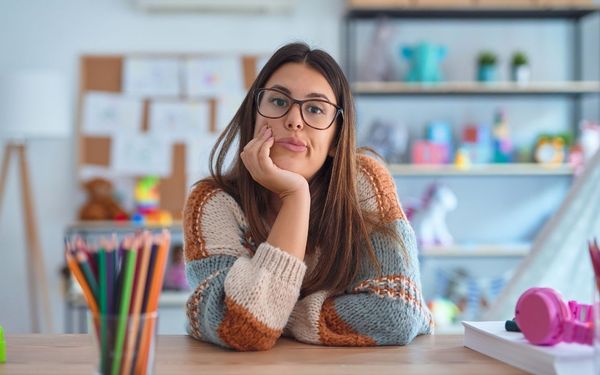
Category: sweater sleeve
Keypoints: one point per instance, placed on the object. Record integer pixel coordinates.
(385, 308)
(241, 298)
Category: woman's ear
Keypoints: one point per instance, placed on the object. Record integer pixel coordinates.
(331, 152)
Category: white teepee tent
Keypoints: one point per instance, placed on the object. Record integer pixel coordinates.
(559, 256)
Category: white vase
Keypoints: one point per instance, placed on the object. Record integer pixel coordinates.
(521, 73)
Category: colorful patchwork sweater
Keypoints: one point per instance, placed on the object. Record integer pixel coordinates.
(245, 297)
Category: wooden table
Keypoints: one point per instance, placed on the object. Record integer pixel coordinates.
(75, 354)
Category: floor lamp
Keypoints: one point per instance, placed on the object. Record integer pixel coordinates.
(33, 106)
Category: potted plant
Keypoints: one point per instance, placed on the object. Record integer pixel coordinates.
(519, 70)
(486, 66)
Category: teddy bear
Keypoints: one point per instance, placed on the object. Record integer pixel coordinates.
(101, 205)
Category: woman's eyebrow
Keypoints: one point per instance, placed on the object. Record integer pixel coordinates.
(311, 95)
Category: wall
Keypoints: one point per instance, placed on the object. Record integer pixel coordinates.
(53, 35)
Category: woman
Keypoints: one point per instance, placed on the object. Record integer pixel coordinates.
(302, 236)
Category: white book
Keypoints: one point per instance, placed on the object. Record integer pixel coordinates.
(491, 339)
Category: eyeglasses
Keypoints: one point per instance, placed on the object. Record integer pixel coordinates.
(316, 113)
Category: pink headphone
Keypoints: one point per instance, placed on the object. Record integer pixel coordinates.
(545, 319)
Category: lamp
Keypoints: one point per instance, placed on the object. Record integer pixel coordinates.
(33, 105)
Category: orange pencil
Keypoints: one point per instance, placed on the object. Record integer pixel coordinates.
(155, 289)
(87, 292)
(137, 297)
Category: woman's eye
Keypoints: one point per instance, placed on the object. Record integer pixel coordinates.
(279, 102)
(315, 110)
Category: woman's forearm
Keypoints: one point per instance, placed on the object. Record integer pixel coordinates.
(290, 229)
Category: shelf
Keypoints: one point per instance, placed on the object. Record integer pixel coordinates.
(108, 227)
(476, 88)
(511, 169)
(470, 12)
(482, 250)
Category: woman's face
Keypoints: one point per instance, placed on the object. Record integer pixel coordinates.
(298, 147)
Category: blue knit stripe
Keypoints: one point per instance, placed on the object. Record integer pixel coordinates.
(388, 321)
(388, 307)
(209, 275)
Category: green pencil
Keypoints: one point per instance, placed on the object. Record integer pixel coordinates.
(104, 317)
(87, 271)
(129, 270)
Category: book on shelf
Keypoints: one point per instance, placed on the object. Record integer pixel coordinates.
(492, 339)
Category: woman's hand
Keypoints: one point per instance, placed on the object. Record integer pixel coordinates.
(259, 164)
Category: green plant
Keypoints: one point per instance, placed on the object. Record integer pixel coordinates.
(519, 58)
(487, 58)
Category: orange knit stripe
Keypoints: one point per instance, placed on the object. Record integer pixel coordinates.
(385, 191)
(195, 248)
(334, 331)
(242, 331)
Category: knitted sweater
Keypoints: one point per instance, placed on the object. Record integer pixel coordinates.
(245, 296)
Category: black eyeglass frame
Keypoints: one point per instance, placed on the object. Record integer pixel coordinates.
(339, 110)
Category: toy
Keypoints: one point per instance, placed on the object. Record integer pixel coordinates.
(462, 160)
(100, 204)
(502, 144)
(147, 203)
(175, 273)
(549, 150)
(545, 319)
(376, 64)
(424, 60)
(589, 139)
(440, 132)
(388, 139)
(477, 141)
(425, 152)
(444, 311)
(432, 229)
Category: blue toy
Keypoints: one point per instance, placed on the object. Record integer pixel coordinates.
(424, 59)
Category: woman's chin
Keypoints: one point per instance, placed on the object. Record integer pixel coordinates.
(289, 164)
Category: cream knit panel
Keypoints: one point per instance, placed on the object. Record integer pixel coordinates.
(267, 285)
(304, 320)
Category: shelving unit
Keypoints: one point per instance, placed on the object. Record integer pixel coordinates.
(572, 88)
(477, 88)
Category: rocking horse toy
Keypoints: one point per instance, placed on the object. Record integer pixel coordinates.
(429, 215)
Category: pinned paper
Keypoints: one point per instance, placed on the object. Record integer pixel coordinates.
(179, 121)
(152, 77)
(141, 154)
(227, 106)
(213, 76)
(107, 114)
(197, 156)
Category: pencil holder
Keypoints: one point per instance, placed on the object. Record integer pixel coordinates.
(126, 344)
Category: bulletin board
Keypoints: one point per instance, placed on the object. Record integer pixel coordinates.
(104, 73)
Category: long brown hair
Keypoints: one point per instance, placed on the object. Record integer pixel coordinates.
(338, 226)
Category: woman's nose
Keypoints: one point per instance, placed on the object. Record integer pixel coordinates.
(294, 120)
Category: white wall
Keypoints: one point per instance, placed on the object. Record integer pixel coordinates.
(53, 34)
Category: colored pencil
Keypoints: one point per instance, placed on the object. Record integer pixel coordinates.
(128, 272)
(137, 298)
(152, 307)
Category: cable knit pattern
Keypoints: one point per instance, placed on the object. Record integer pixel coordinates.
(246, 295)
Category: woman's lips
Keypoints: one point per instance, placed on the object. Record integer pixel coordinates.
(292, 147)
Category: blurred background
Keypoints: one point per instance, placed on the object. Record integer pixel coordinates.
(487, 112)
